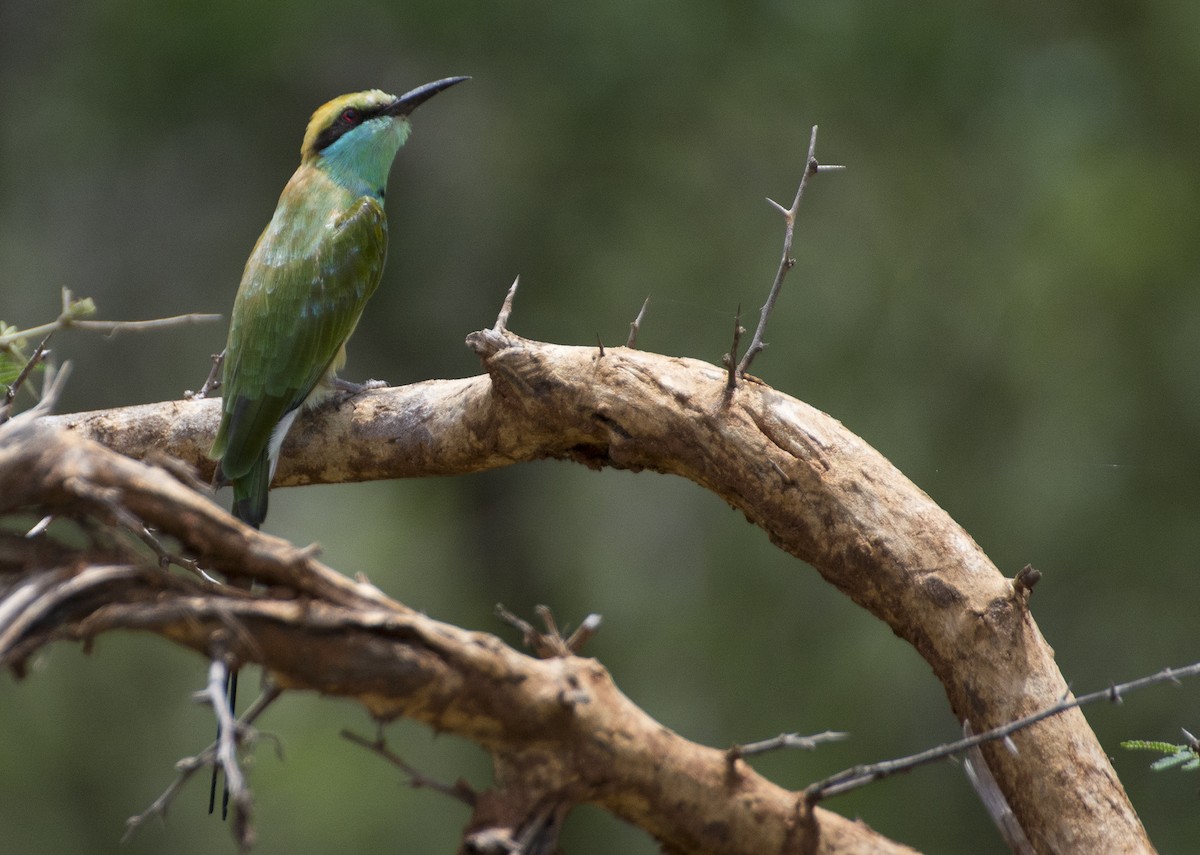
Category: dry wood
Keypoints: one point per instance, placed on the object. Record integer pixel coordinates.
(816, 489)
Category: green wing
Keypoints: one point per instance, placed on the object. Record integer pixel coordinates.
(301, 295)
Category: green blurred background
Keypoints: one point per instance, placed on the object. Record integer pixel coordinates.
(1000, 294)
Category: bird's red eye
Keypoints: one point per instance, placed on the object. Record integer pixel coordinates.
(350, 116)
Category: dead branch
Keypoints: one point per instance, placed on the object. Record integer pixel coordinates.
(559, 730)
(816, 489)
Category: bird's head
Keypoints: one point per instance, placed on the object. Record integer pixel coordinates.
(355, 137)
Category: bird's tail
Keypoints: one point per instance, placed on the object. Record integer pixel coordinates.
(250, 492)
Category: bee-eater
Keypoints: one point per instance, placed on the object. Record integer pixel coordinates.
(304, 287)
(306, 283)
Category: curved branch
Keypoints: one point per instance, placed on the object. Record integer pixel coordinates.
(817, 490)
(560, 731)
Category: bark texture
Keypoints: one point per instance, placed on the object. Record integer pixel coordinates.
(816, 489)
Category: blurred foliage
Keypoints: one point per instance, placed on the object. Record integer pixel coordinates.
(1000, 294)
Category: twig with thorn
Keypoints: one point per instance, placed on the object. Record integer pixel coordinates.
(39, 353)
(212, 382)
(188, 766)
(784, 740)
(860, 776)
(636, 325)
(551, 643)
(459, 790)
(226, 747)
(786, 262)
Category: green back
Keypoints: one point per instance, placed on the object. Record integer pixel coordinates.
(302, 292)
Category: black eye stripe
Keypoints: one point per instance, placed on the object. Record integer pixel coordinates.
(344, 123)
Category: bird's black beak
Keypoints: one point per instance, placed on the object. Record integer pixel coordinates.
(409, 101)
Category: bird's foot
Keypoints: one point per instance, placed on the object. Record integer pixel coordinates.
(345, 390)
(357, 388)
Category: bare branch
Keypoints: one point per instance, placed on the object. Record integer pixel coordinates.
(345, 638)
(212, 382)
(859, 776)
(35, 359)
(818, 491)
(75, 312)
(786, 262)
(227, 756)
(189, 766)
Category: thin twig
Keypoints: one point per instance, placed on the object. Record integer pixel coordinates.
(53, 383)
(39, 353)
(212, 382)
(188, 766)
(110, 327)
(860, 776)
(636, 325)
(123, 518)
(786, 262)
(460, 790)
(114, 327)
(228, 735)
(528, 633)
(784, 740)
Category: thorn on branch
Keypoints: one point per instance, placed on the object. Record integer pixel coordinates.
(730, 360)
(583, 633)
(551, 643)
(506, 308)
(636, 325)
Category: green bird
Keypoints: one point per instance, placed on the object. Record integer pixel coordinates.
(303, 290)
(305, 284)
